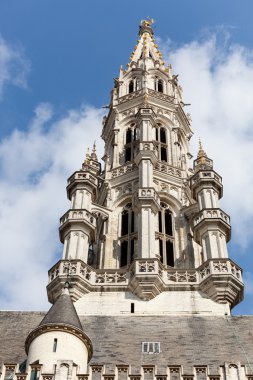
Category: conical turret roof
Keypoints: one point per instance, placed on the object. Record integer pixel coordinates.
(62, 312)
(62, 316)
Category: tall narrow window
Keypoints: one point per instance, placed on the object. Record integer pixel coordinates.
(128, 236)
(163, 135)
(165, 235)
(131, 86)
(160, 134)
(160, 85)
(55, 345)
(128, 136)
(131, 136)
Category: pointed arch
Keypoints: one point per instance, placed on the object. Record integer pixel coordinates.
(160, 85)
(131, 87)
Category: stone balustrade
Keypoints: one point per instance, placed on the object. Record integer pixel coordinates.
(82, 176)
(206, 174)
(74, 269)
(130, 96)
(123, 169)
(214, 213)
(168, 169)
(145, 372)
(161, 96)
(78, 215)
(147, 192)
(219, 266)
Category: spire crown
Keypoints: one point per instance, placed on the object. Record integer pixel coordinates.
(202, 162)
(87, 157)
(201, 153)
(93, 155)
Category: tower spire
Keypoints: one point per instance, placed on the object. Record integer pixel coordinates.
(94, 154)
(141, 212)
(87, 157)
(146, 53)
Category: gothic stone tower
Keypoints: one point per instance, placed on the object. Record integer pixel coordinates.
(144, 288)
(147, 227)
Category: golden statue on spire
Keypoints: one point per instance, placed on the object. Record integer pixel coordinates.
(87, 158)
(201, 153)
(147, 22)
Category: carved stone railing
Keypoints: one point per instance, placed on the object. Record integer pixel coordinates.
(82, 176)
(130, 96)
(161, 96)
(78, 214)
(182, 276)
(73, 268)
(144, 276)
(219, 266)
(145, 371)
(214, 213)
(163, 167)
(147, 192)
(206, 174)
(123, 169)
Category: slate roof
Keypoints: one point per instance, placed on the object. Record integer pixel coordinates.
(185, 340)
(62, 312)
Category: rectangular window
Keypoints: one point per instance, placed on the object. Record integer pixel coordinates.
(132, 307)
(123, 253)
(55, 345)
(34, 374)
(169, 253)
(151, 347)
(9, 373)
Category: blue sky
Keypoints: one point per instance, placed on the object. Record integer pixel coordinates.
(57, 63)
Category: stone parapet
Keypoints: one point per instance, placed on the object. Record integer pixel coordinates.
(146, 371)
(148, 278)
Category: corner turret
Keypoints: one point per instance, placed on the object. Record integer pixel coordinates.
(59, 338)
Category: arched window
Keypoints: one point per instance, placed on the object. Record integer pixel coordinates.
(131, 86)
(160, 85)
(165, 236)
(128, 236)
(131, 136)
(128, 136)
(162, 139)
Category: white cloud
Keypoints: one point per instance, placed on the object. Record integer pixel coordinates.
(14, 67)
(34, 168)
(248, 281)
(217, 79)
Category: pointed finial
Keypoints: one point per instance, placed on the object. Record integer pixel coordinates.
(94, 154)
(87, 159)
